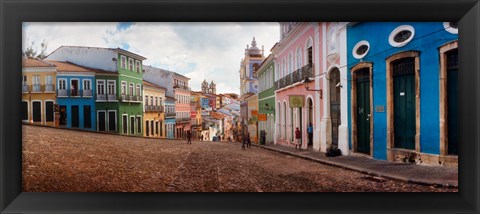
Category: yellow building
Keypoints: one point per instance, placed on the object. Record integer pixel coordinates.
(153, 110)
(197, 111)
(38, 92)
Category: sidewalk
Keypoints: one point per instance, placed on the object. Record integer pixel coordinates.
(419, 174)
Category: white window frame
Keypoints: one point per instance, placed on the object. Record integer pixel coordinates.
(123, 89)
(134, 121)
(450, 29)
(98, 88)
(131, 65)
(123, 62)
(138, 90)
(138, 66)
(355, 48)
(397, 30)
(128, 127)
(114, 86)
(131, 90)
(89, 84)
(141, 123)
(64, 80)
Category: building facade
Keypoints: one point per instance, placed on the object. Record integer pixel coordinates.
(266, 99)
(182, 105)
(75, 97)
(297, 56)
(170, 121)
(252, 117)
(38, 92)
(153, 110)
(403, 91)
(248, 69)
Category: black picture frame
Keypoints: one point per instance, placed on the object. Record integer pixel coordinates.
(13, 13)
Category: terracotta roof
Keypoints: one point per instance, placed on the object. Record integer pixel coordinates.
(147, 83)
(216, 115)
(72, 67)
(35, 63)
(68, 67)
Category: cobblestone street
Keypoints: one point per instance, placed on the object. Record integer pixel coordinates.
(57, 160)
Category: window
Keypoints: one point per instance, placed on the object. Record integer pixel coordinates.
(138, 68)
(124, 62)
(299, 58)
(146, 100)
(124, 88)
(151, 100)
(24, 80)
(62, 84)
(361, 49)
(100, 86)
(138, 90)
(130, 64)
(156, 101)
(111, 87)
(291, 64)
(401, 35)
(130, 89)
(48, 80)
(451, 27)
(36, 80)
(333, 40)
(139, 124)
(86, 85)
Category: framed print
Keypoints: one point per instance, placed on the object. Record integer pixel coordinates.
(123, 103)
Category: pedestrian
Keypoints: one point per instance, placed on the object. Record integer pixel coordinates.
(189, 136)
(249, 143)
(310, 134)
(244, 140)
(201, 137)
(298, 138)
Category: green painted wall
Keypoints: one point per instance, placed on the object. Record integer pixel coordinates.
(267, 93)
(129, 108)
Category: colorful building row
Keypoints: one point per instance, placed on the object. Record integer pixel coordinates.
(384, 90)
(104, 89)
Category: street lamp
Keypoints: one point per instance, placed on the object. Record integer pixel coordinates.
(307, 82)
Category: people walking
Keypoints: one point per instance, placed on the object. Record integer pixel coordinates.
(298, 138)
(244, 141)
(310, 134)
(249, 143)
(189, 136)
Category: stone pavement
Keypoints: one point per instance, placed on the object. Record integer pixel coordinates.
(412, 173)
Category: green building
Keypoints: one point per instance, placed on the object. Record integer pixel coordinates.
(266, 99)
(118, 84)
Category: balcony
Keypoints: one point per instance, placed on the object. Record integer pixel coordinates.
(130, 98)
(181, 86)
(107, 97)
(25, 89)
(62, 93)
(49, 88)
(183, 120)
(295, 77)
(86, 93)
(37, 88)
(74, 93)
(170, 114)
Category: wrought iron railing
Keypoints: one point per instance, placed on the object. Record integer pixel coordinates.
(49, 88)
(37, 88)
(86, 93)
(170, 114)
(62, 93)
(297, 76)
(25, 88)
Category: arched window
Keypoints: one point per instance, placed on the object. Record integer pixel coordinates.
(291, 64)
(284, 68)
(299, 58)
(309, 52)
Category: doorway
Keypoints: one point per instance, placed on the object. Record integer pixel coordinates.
(335, 104)
(63, 115)
(363, 112)
(452, 115)
(75, 117)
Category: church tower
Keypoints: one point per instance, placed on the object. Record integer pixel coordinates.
(213, 88)
(204, 87)
(248, 68)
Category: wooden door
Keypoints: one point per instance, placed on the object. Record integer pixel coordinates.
(452, 87)
(101, 121)
(75, 117)
(363, 110)
(404, 103)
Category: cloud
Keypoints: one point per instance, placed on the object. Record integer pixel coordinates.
(210, 51)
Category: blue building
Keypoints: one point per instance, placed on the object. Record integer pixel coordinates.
(402, 90)
(170, 121)
(75, 86)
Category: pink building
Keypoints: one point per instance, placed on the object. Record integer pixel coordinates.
(182, 105)
(296, 57)
(311, 49)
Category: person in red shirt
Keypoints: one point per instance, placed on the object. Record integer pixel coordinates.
(298, 138)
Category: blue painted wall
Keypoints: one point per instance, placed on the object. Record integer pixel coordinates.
(205, 102)
(79, 101)
(429, 36)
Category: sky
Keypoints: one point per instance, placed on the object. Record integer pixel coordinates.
(199, 50)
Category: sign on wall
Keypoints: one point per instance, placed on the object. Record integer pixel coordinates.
(262, 117)
(296, 101)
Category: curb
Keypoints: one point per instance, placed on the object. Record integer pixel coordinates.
(363, 170)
